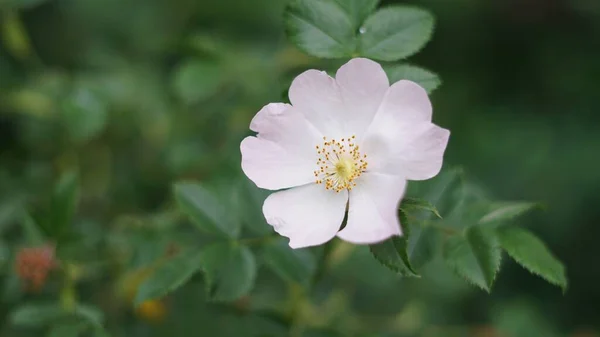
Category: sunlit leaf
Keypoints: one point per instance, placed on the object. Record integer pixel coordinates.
(396, 32)
(530, 252)
(229, 270)
(474, 256)
(171, 275)
(425, 78)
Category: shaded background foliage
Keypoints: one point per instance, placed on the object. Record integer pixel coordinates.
(137, 95)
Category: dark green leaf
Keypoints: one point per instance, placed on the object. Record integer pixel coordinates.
(394, 33)
(428, 80)
(196, 80)
(474, 256)
(422, 244)
(530, 252)
(169, 276)
(64, 202)
(393, 253)
(291, 265)
(206, 210)
(67, 329)
(21, 4)
(251, 205)
(414, 204)
(321, 28)
(504, 211)
(358, 10)
(37, 315)
(229, 269)
(31, 230)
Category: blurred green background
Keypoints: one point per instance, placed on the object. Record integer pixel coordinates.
(136, 95)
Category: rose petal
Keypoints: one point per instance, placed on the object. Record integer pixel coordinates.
(372, 212)
(308, 215)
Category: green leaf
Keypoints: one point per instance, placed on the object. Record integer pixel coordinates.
(31, 231)
(474, 256)
(90, 313)
(205, 209)
(504, 211)
(422, 244)
(70, 329)
(230, 271)
(64, 202)
(251, 206)
(393, 253)
(321, 28)
(414, 204)
(425, 78)
(84, 115)
(196, 80)
(358, 10)
(292, 265)
(395, 32)
(169, 276)
(530, 252)
(21, 4)
(37, 315)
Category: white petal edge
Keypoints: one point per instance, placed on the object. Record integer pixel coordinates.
(317, 96)
(308, 215)
(406, 101)
(262, 120)
(362, 84)
(373, 209)
(273, 167)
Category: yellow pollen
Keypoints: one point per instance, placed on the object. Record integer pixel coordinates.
(339, 164)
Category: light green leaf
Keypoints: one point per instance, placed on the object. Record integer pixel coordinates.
(196, 80)
(37, 315)
(474, 256)
(169, 276)
(84, 115)
(395, 32)
(292, 265)
(504, 211)
(67, 329)
(206, 210)
(230, 271)
(393, 253)
(530, 252)
(64, 202)
(358, 10)
(92, 314)
(414, 204)
(425, 78)
(321, 28)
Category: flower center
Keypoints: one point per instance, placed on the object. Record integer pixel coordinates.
(339, 164)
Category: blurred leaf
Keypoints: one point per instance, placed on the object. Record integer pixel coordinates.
(252, 202)
(31, 230)
(206, 210)
(422, 244)
(530, 252)
(293, 265)
(67, 329)
(21, 4)
(504, 211)
(395, 32)
(64, 202)
(37, 315)
(414, 204)
(474, 256)
(171, 275)
(14, 33)
(84, 115)
(359, 10)
(90, 313)
(10, 211)
(230, 271)
(393, 253)
(196, 80)
(321, 28)
(428, 80)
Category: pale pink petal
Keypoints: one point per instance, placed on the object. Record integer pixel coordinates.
(308, 215)
(362, 84)
(401, 140)
(262, 121)
(373, 209)
(317, 96)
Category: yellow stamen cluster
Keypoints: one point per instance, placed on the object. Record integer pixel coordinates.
(339, 163)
